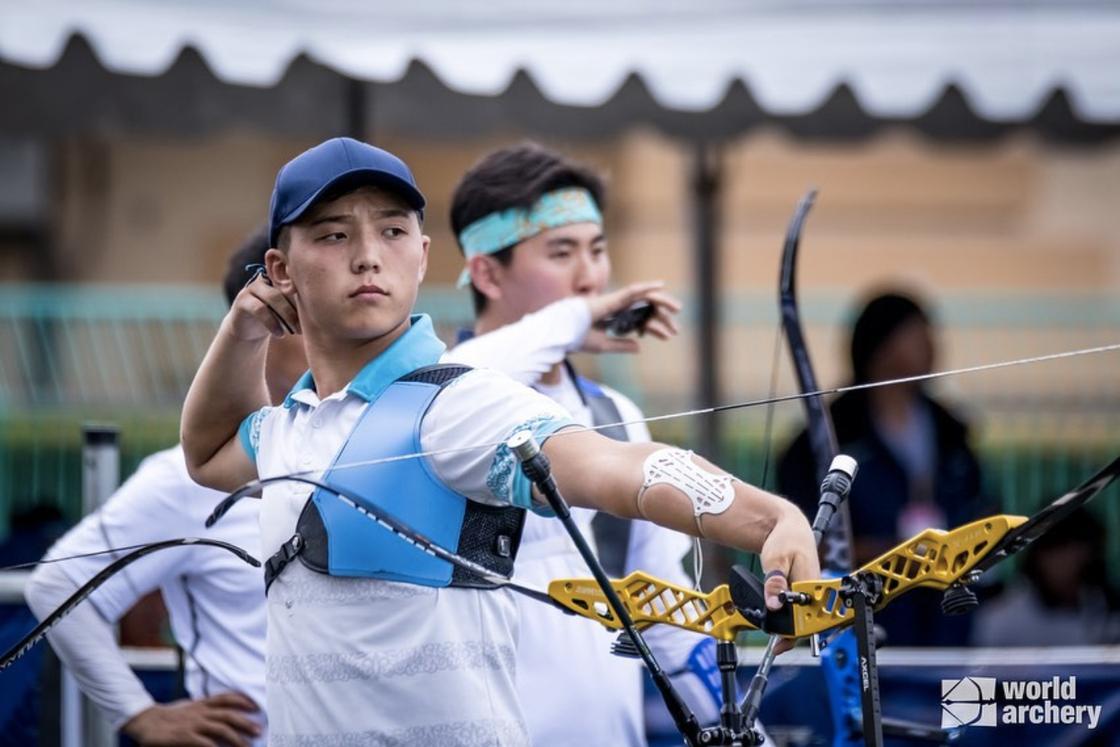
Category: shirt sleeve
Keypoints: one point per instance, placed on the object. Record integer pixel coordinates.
(485, 408)
(531, 346)
(86, 643)
(249, 433)
(158, 502)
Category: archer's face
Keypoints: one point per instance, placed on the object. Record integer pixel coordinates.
(555, 264)
(354, 266)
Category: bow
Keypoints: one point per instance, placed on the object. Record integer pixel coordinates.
(942, 560)
(41, 630)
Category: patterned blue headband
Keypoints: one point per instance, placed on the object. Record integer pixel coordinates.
(503, 229)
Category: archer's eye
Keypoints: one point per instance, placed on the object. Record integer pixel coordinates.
(333, 237)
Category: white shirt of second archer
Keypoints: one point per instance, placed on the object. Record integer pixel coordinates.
(564, 664)
(215, 601)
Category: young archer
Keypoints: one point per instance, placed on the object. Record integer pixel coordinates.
(392, 645)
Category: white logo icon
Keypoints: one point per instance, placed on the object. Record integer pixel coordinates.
(970, 701)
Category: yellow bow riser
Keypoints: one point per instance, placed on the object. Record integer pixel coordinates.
(933, 558)
(651, 601)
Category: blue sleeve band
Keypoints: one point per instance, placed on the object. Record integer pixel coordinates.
(249, 433)
(506, 480)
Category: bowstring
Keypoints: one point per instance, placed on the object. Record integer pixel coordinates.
(768, 429)
(710, 410)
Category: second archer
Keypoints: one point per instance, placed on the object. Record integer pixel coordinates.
(530, 225)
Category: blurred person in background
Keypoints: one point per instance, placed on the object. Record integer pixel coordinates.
(215, 601)
(916, 467)
(1062, 597)
(529, 223)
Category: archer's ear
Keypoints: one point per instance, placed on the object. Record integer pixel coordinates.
(276, 265)
(425, 245)
(486, 276)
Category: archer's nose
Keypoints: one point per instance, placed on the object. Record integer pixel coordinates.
(366, 257)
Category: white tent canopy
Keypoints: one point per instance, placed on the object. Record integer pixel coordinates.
(897, 58)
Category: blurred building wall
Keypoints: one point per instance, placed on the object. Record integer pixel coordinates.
(1014, 215)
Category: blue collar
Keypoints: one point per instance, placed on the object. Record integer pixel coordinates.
(416, 348)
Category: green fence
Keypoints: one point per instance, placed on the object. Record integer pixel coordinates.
(125, 355)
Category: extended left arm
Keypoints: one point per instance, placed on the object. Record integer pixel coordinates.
(595, 472)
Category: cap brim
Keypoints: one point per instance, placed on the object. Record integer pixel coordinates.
(353, 179)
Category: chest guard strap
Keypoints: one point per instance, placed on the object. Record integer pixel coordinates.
(333, 539)
(612, 534)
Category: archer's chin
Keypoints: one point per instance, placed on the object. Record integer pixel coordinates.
(368, 327)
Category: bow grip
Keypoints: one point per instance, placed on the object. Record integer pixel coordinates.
(749, 596)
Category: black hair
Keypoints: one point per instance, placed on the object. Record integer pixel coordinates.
(244, 263)
(880, 317)
(515, 177)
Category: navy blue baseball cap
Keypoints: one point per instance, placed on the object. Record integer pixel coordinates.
(330, 168)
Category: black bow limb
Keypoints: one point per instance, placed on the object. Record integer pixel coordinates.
(79, 596)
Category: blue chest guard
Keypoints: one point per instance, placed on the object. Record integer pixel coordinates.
(333, 538)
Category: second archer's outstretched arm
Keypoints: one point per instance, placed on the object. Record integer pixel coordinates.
(530, 347)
